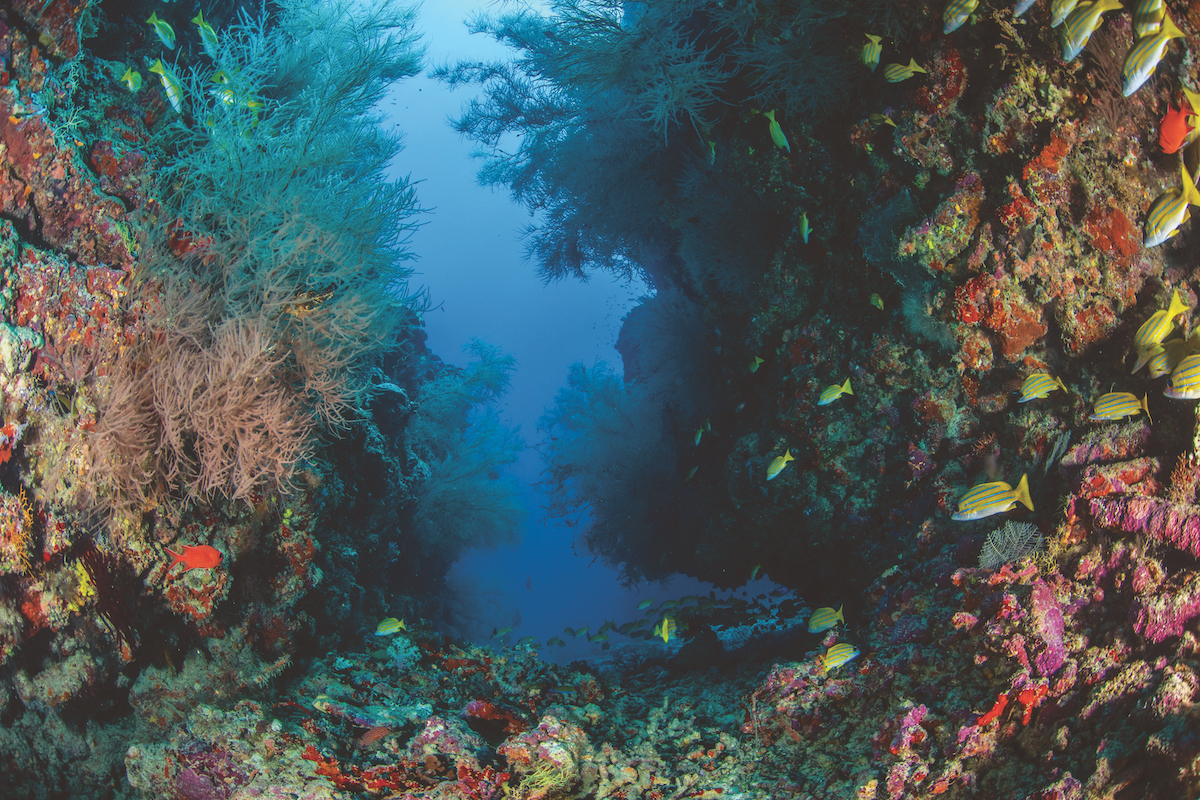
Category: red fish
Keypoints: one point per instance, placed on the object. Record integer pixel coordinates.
(196, 557)
(1175, 129)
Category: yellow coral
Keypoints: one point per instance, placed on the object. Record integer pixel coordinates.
(86, 590)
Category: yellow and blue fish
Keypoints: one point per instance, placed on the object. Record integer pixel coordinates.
(833, 392)
(390, 626)
(1185, 379)
(208, 37)
(754, 365)
(1039, 385)
(1083, 21)
(837, 655)
(957, 12)
(171, 85)
(777, 132)
(894, 73)
(825, 618)
(871, 51)
(880, 119)
(707, 426)
(163, 30)
(132, 79)
(642, 606)
(877, 301)
(778, 464)
(1060, 10)
(1119, 405)
(804, 229)
(987, 499)
(1156, 329)
(1148, 17)
(1143, 57)
(1170, 210)
(754, 573)
(1165, 357)
(665, 628)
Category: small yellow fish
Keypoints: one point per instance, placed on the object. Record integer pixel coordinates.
(957, 12)
(1159, 326)
(755, 364)
(894, 73)
(877, 301)
(1060, 10)
(389, 626)
(778, 464)
(880, 119)
(163, 30)
(1142, 59)
(1039, 385)
(1082, 23)
(1170, 210)
(833, 392)
(208, 37)
(992, 498)
(171, 85)
(825, 618)
(581, 632)
(666, 628)
(1185, 379)
(1148, 17)
(132, 80)
(871, 51)
(754, 573)
(1119, 405)
(499, 633)
(597, 638)
(777, 132)
(691, 474)
(528, 640)
(642, 606)
(555, 642)
(1165, 357)
(837, 655)
(804, 229)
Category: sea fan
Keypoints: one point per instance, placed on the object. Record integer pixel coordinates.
(1011, 543)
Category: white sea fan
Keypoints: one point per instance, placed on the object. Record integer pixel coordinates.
(1011, 543)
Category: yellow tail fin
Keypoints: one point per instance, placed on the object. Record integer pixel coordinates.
(1169, 29)
(1189, 187)
(1023, 493)
(1146, 407)
(1176, 307)
(846, 387)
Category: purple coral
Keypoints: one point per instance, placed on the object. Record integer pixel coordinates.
(1165, 521)
(1048, 622)
(1166, 612)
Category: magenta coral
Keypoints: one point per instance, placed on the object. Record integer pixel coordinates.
(1048, 622)
(1165, 521)
(1165, 613)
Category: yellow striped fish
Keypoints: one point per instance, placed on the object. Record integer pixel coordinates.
(171, 85)
(957, 12)
(389, 626)
(1148, 17)
(833, 392)
(1119, 405)
(1039, 385)
(1166, 357)
(871, 51)
(778, 464)
(1160, 325)
(837, 655)
(777, 132)
(1185, 379)
(825, 618)
(665, 628)
(1085, 19)
(1143, 57)
(992, 498)
(894, 73)
(1170, 211)
(1060, 10)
